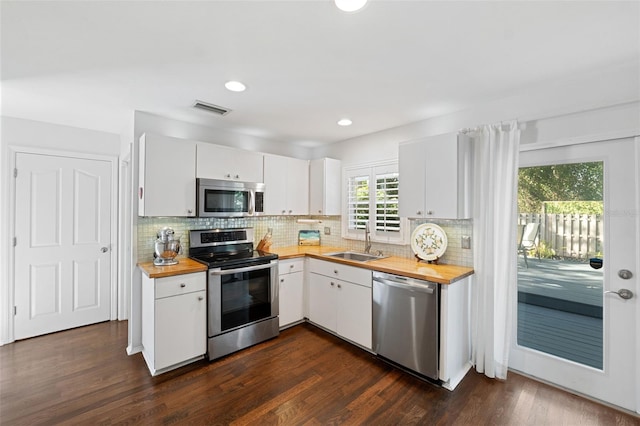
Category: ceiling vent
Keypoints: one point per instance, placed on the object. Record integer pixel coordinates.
(216, 109)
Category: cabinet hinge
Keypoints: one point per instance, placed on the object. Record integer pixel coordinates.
(15, 311)
(15, 173)
(15, 241)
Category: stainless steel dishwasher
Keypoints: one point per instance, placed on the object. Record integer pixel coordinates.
(406, 322)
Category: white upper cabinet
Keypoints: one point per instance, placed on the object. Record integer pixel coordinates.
(219, 162)
(287, 186)
(324, 187)
(167, 176)
(412, 176)
(435, 177)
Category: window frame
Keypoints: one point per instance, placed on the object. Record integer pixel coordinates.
(372, 171)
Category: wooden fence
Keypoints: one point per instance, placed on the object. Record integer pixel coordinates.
(578, 236)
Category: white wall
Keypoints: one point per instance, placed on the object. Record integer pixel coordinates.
(597, 102)
(145, 122)
(16, 133)
(36, 134)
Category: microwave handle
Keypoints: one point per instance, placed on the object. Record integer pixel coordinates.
(252, 203)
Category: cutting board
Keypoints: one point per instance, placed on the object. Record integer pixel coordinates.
(309, 238)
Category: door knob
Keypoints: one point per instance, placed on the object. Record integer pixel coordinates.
(625, 274)
(623, 293)
(104, 249)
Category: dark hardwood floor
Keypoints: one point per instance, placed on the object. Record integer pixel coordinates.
(305, 376)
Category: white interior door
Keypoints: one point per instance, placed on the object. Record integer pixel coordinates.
(614, 377)
(63, 248)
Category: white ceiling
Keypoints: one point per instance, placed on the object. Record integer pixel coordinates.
(89, 64)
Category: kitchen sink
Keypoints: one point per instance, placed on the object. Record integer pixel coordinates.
(358, 257)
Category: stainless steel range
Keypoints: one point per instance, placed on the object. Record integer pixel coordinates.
(242, 289)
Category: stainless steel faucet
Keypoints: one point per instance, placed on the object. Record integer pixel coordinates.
(367, 238)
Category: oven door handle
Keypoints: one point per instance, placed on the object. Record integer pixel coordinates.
(238, 270)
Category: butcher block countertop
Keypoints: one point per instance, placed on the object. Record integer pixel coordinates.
(442, 274)
(184, 266)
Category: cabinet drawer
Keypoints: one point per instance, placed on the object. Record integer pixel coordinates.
(343, 272)
(180, 284)
(290, 266)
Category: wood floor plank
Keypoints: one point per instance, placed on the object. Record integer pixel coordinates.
(305, 376)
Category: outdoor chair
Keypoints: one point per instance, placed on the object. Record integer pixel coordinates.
(528, 240)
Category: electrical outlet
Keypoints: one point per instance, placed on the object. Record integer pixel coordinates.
(466, 242)
(327, 230)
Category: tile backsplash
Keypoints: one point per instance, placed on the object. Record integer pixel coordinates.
(285, 233)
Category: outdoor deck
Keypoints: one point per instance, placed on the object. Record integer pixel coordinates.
(560, 309)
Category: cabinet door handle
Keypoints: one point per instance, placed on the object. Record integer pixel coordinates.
(284, 211)
(319, 211)
(200, 298)
(339, 286)
(429, 212)
(419, 213)
(281, 280)
(291, 266)
(228, 175)
(237, 176)
(332, 283)
(335, 271)
(189, 211)
(182, 285)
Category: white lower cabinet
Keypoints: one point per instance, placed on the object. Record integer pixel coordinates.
(340, 300)
(174, 320)
(290, 291)
(455, 332)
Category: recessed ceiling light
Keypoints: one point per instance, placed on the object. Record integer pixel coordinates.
(350, 5)
(345, 122)
(235, 86)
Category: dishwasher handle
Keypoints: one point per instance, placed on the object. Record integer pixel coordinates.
(408, 285)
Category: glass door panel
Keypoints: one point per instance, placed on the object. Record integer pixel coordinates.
(560, 218)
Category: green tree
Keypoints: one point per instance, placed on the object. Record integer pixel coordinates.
(559, 182)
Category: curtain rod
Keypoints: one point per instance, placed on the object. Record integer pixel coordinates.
(467, 130)
(563, 112)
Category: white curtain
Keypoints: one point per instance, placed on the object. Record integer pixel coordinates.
(495, 174)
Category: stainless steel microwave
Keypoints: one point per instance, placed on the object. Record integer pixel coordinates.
(222, 198)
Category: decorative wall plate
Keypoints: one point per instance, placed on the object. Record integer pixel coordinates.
(428, 241)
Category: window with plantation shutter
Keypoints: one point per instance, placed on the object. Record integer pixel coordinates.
(387, 219)
(372, 198)
(358, 202)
